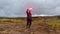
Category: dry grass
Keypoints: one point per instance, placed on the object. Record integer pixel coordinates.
(40, 25)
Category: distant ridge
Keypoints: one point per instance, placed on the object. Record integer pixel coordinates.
(33, 16)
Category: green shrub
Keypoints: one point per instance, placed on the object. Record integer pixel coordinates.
(58, 17)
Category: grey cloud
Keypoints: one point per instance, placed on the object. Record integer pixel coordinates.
(17, 8)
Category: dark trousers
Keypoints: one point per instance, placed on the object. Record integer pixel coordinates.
(29, 22)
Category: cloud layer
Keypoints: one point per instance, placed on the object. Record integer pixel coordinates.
(17, 8)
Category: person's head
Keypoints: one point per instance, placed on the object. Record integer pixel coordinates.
(30, 9)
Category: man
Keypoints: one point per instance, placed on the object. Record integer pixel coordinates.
(29, 17)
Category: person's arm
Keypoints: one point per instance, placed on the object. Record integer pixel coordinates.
(27, 12)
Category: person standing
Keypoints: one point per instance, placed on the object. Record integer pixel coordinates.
(29, 17)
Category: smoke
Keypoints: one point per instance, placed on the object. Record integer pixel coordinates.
(17, 8)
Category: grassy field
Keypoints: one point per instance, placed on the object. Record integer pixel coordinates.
(40, 25)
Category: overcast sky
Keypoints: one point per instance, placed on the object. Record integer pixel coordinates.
(17, 8)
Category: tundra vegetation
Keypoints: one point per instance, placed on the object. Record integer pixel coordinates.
(40, 25)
